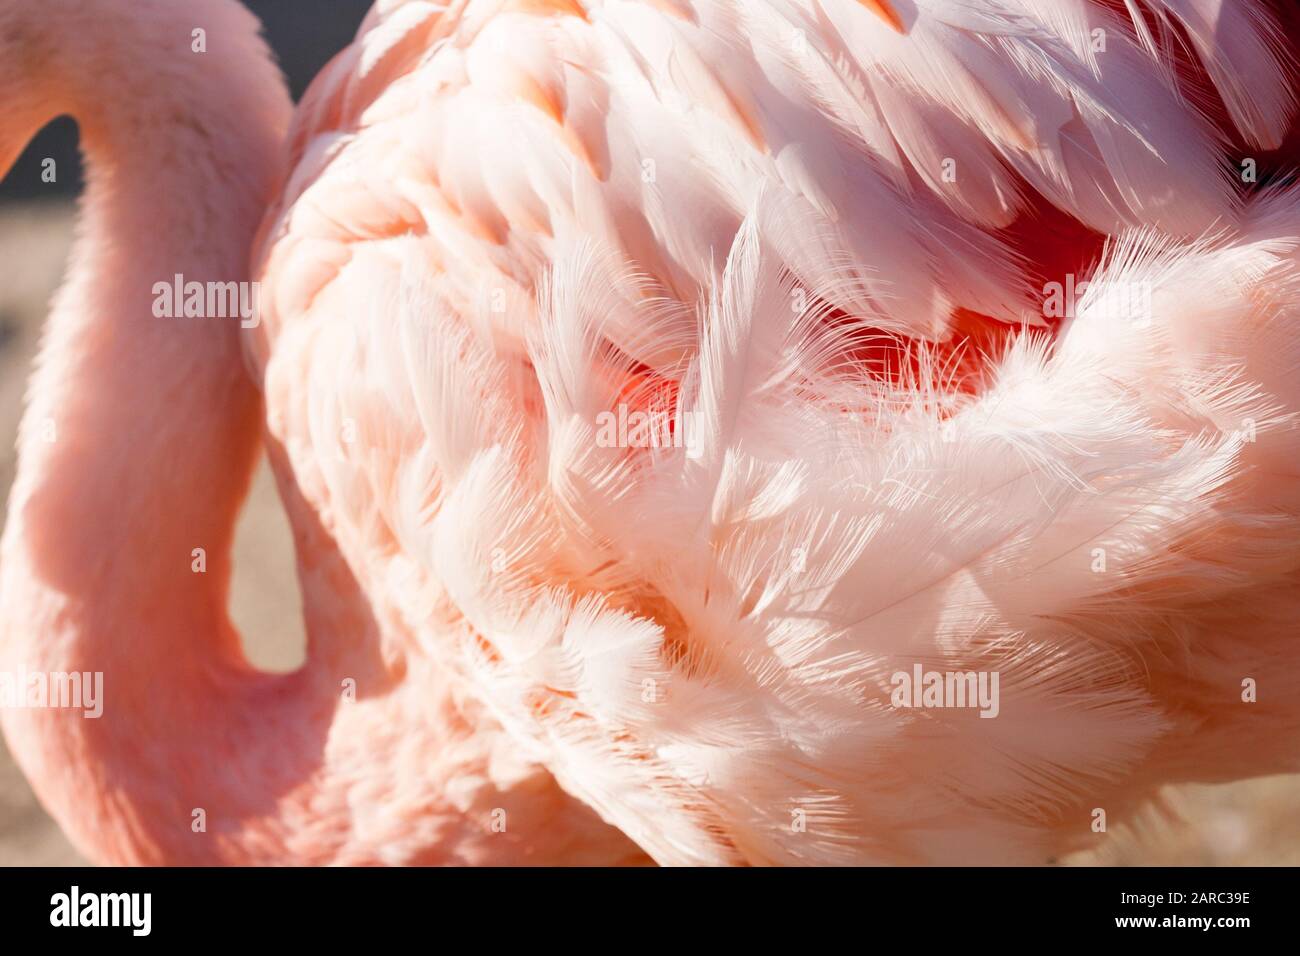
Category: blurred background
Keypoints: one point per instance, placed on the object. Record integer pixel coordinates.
(1256, 822)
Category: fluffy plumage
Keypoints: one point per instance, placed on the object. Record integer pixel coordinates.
(723, 215)
(669, 374)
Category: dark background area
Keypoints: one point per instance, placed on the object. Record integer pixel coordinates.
(304, 33)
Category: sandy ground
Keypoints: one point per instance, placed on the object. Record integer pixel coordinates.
(1255, 822)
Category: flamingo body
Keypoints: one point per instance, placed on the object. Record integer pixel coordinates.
(803, 242)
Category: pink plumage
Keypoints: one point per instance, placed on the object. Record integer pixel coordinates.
(653, 388)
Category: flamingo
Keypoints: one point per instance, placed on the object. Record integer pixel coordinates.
(649, 384)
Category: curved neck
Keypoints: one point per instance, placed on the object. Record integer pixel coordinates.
(135, 453)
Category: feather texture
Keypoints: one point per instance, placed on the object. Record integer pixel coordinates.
(608, 319)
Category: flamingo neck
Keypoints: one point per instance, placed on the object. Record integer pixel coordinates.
(135, 454)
